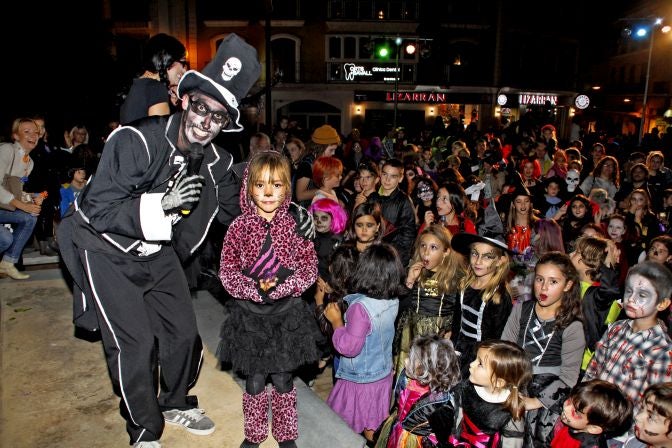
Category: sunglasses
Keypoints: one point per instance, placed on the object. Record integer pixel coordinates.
(219, 117)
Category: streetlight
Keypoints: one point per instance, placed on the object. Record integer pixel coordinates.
(641, 32)
(397, 41)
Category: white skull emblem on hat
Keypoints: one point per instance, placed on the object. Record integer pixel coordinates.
(231, 68)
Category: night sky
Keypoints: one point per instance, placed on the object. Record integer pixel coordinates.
(58, 64)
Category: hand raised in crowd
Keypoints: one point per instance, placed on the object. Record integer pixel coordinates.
(360, 199)
(561, 212)
(598, 216)
(322, 289)
(613, 254)
(333, 314)
(413, 273)
(429, 218)
(638, 212)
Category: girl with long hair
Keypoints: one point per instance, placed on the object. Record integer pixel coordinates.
(550, 330)
(433, 279)
(484, 298)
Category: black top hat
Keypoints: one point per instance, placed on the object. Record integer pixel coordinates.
(461, 242)
(227, 78)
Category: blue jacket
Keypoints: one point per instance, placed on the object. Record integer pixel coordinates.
(374, 361)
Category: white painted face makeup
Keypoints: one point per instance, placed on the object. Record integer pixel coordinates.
(640, 297)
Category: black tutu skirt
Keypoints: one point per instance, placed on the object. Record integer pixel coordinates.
(263, 338)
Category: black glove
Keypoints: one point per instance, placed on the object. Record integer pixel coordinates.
(305, 226)
(184, 190)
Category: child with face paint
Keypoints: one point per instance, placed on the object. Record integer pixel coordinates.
(433, 279)
(594, 412)
(366, 226)
(424, 198)
(330, 222)
(653, 422)
(550, 331)
(636, 352)
(484, 300)
(266, 266)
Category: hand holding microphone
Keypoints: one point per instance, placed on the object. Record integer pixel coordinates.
(194, 160)
(186, 191)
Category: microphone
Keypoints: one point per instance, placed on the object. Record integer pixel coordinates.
(194, 160)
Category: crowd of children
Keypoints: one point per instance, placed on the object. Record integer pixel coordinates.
(469, 305)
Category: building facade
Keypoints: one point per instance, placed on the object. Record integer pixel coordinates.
(483, 62)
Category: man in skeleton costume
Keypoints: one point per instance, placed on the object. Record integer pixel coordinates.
(149, 191)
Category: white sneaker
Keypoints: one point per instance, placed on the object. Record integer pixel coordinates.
(152, 444)
(8, 269)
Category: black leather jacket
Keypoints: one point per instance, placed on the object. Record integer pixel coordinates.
(433, 413)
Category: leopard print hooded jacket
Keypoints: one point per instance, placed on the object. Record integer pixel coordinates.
(243, 244)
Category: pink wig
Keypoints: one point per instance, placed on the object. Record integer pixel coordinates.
(339, 217)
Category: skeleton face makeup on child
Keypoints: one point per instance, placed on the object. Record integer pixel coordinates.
(425, 192)
(572, 180)
(322, 221)
(639, 297)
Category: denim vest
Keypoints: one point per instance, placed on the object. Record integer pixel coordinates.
(374, 362)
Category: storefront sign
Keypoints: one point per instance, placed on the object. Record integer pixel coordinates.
(537, 99)
(416, 97)
(354, 71)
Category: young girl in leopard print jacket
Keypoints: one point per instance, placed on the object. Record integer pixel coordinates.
(265, 266)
